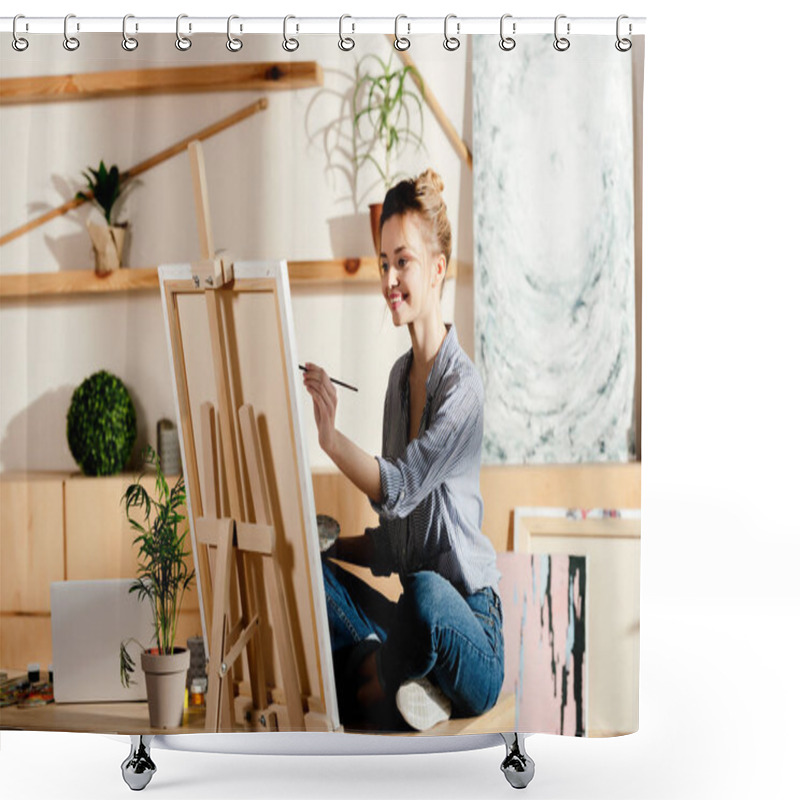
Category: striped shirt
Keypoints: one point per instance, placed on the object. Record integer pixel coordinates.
(431, 510)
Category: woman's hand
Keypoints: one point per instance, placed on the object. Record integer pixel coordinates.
(323, 392)
(359, 466)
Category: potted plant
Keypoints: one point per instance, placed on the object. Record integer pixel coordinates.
(164, 576)
(387, 115)
(104, 189)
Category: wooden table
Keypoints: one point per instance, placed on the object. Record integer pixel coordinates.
(132, 718)
(122, 718)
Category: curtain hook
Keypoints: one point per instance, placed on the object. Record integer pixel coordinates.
(507, 42)
(129, 43)
(345, 42)
(561, 43)
(623, 45)
(451, 42)
(18, 43)
(233, 44)
(289, 44)
(70, 42)
(182, 42)
(401, 42)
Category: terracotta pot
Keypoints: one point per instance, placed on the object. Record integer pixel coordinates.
(375, 210)
(166, 684)
(107, 242)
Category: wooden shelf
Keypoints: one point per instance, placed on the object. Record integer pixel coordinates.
(79, 281)
(260, 76)
(132, 279)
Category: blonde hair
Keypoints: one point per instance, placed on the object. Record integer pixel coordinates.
(422, 195)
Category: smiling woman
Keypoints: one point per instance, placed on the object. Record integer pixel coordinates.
(438, 651)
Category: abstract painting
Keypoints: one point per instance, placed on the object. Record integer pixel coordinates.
(544, 623)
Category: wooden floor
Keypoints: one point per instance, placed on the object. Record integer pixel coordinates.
(500, 719)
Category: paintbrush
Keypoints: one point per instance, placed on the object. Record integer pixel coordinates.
(333, 380)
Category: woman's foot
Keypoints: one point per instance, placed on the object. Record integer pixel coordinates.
(370, 692)
(422, 704)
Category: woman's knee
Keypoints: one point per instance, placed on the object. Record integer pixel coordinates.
(427, 598)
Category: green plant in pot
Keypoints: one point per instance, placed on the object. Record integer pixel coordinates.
(163, 578)
(387, 116)
(105, 188)
(101, 424)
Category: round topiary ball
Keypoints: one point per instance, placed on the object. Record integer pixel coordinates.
(101, 425)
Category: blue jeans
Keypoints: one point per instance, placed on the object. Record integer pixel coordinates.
(431, 631)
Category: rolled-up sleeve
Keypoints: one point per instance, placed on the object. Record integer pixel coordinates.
(391, 485)
(454, 431)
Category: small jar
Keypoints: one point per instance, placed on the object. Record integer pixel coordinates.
(197, 692)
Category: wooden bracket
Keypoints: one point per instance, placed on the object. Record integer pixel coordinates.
(212, 273)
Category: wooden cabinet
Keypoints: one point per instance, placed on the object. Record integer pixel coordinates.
(100, 540)
(61, 526)
(31, 542)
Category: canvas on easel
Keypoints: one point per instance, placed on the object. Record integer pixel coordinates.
(231, 351)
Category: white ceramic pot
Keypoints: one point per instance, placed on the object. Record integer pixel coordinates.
(107, 242)
(166, 684)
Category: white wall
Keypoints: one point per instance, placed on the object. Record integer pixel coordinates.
(274, 193)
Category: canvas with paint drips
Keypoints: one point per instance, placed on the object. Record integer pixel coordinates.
(544, 620)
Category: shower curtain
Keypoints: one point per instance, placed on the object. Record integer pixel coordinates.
(535, 142)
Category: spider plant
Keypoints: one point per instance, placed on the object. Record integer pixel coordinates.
(383, 101)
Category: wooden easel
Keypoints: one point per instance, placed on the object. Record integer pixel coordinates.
(247, 589)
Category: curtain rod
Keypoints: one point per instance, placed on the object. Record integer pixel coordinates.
(300, 25)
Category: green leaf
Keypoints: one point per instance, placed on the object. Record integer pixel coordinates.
(385, 99)
(105, 185)
(126, 666)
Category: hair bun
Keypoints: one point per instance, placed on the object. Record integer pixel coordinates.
(430, 180)
(422, 195)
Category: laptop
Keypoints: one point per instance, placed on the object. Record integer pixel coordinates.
(89, 621)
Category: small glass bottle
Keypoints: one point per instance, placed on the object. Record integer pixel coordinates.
(197, 692)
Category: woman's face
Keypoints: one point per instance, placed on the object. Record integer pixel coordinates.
(409, 269)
